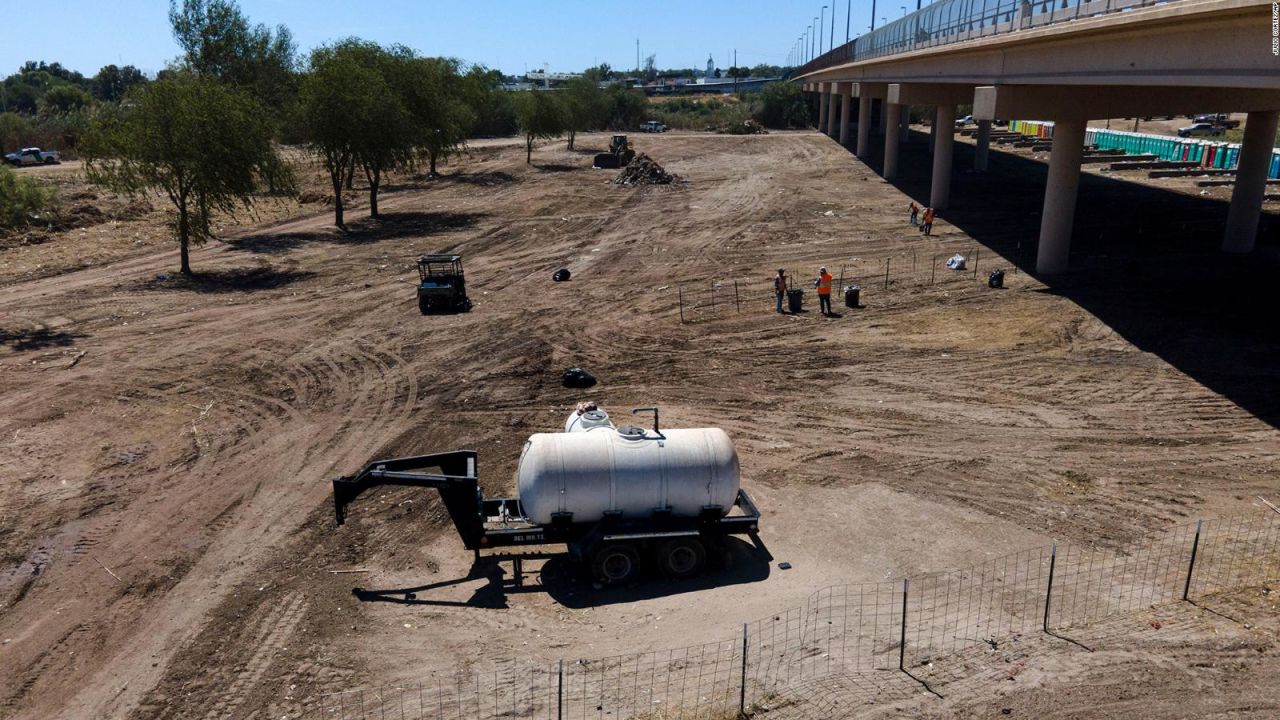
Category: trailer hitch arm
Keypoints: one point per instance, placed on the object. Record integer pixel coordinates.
(457, 482)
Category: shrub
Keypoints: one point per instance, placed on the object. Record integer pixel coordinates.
(22, 201)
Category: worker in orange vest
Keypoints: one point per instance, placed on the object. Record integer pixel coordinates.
(823, 284)
(926, 222)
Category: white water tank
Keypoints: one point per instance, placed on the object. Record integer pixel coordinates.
(584, 419)
(629, 470)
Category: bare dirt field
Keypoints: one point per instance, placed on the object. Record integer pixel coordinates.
(166, 444)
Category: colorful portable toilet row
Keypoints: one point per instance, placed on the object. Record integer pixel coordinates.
(1033, 128)
(1218, 155)
(1208, 154)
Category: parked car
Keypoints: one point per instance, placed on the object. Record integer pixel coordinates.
(964, 121)
(33, 156)
(1199, 129)
(1222, 120)
(653, 126)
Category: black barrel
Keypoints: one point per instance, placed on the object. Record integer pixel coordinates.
(851, 295)
(995, 279)
(795, 300)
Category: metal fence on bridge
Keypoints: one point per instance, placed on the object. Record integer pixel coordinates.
(953, 21)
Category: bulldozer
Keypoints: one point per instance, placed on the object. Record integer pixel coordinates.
(620, 153)
(441, 284)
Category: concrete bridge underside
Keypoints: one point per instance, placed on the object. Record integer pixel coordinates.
(1178, 58)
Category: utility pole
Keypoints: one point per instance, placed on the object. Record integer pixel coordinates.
(637, 56)
(822, 23)
(831, 44)
(873, 15)
(735, 71)
(848, 12)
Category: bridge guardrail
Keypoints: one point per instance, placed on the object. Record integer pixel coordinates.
(951, 21)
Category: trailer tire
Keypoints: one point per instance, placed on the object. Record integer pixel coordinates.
(615, 564)
(424, 305)
(682, 558)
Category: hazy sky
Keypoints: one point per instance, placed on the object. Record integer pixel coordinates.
(512, 36)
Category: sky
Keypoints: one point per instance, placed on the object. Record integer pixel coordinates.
(562, 35)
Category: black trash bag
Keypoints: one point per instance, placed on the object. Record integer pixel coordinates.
(576, 377)
(560, 275)
(851, 295)
(996, 279)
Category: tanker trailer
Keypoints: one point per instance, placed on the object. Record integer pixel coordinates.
(617, 498)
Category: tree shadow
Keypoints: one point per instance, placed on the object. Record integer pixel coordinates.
(558, 167)
(483, 179)
(1145, 261)
(388, 226)
(232, 280)
(37, 338)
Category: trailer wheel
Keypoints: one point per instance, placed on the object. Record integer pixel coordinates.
(615, 564)
(682, 557)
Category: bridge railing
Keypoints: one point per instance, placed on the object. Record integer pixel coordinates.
(952, 21)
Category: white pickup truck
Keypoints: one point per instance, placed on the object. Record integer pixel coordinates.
(653, 126)
(33, 156)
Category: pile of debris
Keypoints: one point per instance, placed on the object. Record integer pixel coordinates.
(642, 170)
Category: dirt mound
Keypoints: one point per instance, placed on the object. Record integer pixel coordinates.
(644, 170)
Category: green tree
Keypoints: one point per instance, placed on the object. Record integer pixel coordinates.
(217, 40)
(204, 145)
(585, 107)
(63, 99)
(344, 98)
(540, 114)
(782, 105)
(112, 82)
(14, 129)
(441, 104)
(627, 107)
(492, 108)
(599, 73)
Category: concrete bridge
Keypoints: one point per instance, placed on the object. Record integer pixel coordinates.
(1062, 60)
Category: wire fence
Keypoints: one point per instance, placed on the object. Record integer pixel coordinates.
(877, 279)
(952, 21)
(911, 626)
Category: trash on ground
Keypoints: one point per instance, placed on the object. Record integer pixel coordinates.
(576, 377)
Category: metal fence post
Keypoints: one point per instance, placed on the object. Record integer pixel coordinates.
(736, 300)
(560, 693)
(886, 273)
(933, 270)
(1195, 546)
(1048, 591)
(680, 293)
(713, 297)
(902, 639)
(742, 687)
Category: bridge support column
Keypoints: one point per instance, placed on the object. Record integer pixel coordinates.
(983, 148)
(1058, 215)
(846, 111)
(1251, 182)
(944, 139)
(832, 97)
(884, 117)
(822, 107)
(864, 125)
(904, 128)
(891, 132)
(933, 130)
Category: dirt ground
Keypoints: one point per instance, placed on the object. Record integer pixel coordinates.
(166, 444)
